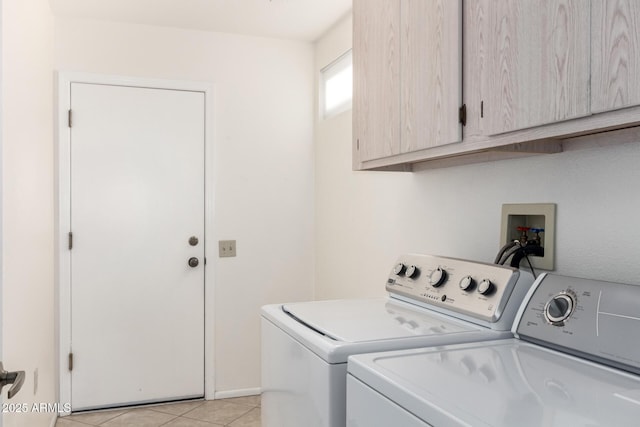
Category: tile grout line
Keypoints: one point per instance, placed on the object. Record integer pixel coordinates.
(251, 407)
(237, 418)
(251, 410)
(177, 415)
(170, 421)
(153, 408)
(134, 409)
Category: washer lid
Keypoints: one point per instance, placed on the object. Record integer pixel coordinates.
(370, 319)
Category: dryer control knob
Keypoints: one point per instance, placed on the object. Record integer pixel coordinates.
(438, 277)
(486, 287)
(399, 268)
(412, 271)
(559, 308)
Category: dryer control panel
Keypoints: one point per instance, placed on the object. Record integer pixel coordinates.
(488, 294)
(590, 318)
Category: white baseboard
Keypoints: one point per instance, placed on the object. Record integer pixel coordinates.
(237, 393)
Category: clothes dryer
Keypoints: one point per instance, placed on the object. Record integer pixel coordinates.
(574, 361)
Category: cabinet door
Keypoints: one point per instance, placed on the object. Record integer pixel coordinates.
(430, 73)
(538, 63)
(615, 52)
(376, 72)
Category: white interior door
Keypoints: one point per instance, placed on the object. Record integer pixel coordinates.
(137, 197)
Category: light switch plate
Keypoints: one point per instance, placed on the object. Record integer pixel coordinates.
(226, 248)
(534, 215)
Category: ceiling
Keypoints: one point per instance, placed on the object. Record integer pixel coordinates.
(304, 20)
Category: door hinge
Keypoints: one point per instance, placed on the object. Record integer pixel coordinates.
(70, 361)
(69, 118)
(462, 114)
(70, 240)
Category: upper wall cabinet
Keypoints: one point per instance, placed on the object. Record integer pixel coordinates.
(430, 73)
(615, 53)
(539, 76)
(407, 76)
(376, 78)
(538, 63)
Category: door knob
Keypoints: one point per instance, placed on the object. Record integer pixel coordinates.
(193, 262)
(15, 378)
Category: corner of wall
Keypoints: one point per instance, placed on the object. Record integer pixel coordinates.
(28, 331)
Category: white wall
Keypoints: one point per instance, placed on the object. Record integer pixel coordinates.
(263, 138)
(364, 220)
(27, 199)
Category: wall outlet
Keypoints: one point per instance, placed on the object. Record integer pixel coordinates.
(532, 215)
(226, 248)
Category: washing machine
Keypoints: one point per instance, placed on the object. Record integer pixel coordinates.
(432, 301)
(574, 361)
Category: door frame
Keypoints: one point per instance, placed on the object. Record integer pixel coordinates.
(63, 216)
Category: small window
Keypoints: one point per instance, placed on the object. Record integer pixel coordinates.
(336, 86)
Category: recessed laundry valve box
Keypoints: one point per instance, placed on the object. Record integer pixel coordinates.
(531, 224)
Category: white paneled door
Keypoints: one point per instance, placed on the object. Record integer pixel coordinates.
(137, 257)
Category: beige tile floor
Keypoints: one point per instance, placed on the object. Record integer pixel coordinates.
(235, 412)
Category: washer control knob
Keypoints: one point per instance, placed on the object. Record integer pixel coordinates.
(399, 269)
(411, 272)
(467, 283)
(438, 277)
(486, 287)
(559, 308)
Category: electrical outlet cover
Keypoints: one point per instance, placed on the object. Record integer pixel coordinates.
(226, 248)
(534, 215)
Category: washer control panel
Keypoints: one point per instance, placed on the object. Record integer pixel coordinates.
(594, 319)
(473, 289)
